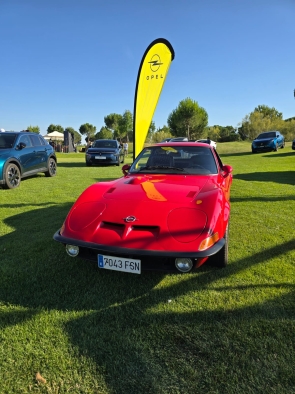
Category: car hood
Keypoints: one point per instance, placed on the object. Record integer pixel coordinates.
(101, 150)
(158, 188)
(155, 212)
(264, 139)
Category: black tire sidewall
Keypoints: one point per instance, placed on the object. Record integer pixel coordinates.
(7, 185)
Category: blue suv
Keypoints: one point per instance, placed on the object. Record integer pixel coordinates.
(268, 141)
(24, 154)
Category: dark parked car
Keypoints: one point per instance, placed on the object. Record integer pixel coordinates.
(105, 152)
(24, 154)
(268, 141)
(179, 139)
(176, 139)
(293, 144)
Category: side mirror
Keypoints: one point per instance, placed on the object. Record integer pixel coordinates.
(227, 170)
(21, 145)
(126, 169)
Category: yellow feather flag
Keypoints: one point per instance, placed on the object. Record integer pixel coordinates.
(151, 76)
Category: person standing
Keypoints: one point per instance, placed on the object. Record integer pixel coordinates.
(125, 148)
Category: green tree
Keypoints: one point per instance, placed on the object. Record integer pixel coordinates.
(54, 127)
(34, 129)
(227, 134)
(263, 118)
(112, 121)
(88, 130)
(104, 134)
(151, 132)
(288, 129)
(161, 134)
(77, 136)
(268, 112)
(188, 119)
(125, 126)
(212, 132)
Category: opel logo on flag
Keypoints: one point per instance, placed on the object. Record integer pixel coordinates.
(155, 63)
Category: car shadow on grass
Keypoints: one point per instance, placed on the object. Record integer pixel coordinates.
(140, 351)
(238, 154)
(267, 199)
(74, 164)
(136, 331)
(282, 177)
(282, 154)
(83, 164)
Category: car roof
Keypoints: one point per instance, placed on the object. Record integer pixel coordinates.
(270, 131)
(20, 132)
(183, 143)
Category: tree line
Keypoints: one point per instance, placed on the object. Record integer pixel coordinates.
(187, 120)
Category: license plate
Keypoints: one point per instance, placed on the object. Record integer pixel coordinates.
(119, 264)
(100, 157)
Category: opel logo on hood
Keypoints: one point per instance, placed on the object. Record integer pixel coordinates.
(130, 219)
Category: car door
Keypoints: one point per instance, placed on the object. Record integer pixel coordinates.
(40, 160)
(279, 139)
(26, 154)
(224, 181)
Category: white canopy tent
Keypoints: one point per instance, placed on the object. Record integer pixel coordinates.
(54, 136)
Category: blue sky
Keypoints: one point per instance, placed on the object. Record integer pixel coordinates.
(69, 62)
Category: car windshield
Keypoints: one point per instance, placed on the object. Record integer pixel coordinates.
(271, 134)
(195, 160)
(104, 144)
(7, 140)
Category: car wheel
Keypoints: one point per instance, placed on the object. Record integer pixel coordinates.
(276, 148)
(220, 259)
(254, 151)
(12, 176)
(51, 169)
(88, 164)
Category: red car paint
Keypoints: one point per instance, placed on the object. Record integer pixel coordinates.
(154, 212)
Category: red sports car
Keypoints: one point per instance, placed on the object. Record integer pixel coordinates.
(170, 211)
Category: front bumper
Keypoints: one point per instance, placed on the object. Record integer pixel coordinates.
(109, 159)
(150, 259)
(268, 147)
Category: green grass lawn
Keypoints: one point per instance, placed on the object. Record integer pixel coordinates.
(85, 330)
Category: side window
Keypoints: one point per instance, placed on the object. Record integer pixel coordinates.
(35, 140)
(26, 140)
(42, 141)
(218, 159)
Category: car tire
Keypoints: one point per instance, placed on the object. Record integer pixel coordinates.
(88, 164)
(276, 147)
(220, 259)
(254, 151)
(51, 168)
(12, 176)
